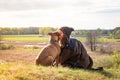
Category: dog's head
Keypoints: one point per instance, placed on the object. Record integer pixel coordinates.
(54, 37)
(64, 33)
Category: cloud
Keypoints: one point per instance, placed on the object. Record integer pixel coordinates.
(12, 5)
(85, 13)
(105, 6)
(81, 5)
(8, 5)
(109, 11)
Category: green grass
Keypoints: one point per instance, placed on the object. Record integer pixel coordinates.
(37, 38)
(20, 71)
(6, 46)
(82, 39)
(31, 38)
(101, 40)
(105, 40)
(25, 38)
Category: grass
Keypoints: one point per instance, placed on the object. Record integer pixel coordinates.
(20, 71)
(101, 40)
(82, 39)
(25, 38)
(6, 46)
(27, 49)
(105, 40)
(31, 38)
(37, 38)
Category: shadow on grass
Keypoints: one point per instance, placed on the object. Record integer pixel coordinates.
(106, 73)
(103, 72)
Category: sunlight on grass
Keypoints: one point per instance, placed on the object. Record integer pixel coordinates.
(25, 38)
(105, 40)
(32, 38)
(82, 39)
(20, 71)
(37, 38)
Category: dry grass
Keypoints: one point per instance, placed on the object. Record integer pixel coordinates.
(20, 71)
(18, 64)
(19, 55)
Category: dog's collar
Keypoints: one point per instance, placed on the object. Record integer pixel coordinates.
(53, 41)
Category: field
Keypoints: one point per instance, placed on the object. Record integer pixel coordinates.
(38, 38)
(18, 63)
(20, 71)
(25, 38)
(107, 40)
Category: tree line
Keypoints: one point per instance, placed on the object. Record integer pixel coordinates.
(112, 33)
(25, 31)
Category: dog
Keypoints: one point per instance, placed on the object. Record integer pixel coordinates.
(73, 53)
(50, 53)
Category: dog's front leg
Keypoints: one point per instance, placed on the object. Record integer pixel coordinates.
(57, 60)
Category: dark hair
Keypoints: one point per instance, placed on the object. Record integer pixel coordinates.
(66, 30)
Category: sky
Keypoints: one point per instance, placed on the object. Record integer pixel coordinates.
(79, 14)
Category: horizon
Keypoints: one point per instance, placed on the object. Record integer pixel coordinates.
(79, 14)
(57, 27)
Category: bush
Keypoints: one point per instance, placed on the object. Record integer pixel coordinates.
(105, 62)
(112, 61)
(35, 47)
(6, 46)
(116, 58)
(106, 49)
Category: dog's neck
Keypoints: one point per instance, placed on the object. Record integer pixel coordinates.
(53, 41)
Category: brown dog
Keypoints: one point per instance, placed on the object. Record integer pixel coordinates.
(73, 53)
(50, 53)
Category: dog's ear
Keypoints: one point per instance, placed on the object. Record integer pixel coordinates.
(49, 33)
(57, 33)
(54, 33)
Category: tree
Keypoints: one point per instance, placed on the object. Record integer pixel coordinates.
(0, 35)
(116, 33)
(45, 30)
(91, 39)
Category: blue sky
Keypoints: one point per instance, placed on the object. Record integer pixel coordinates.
(79, 14)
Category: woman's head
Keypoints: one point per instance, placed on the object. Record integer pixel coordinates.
(64, 33)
